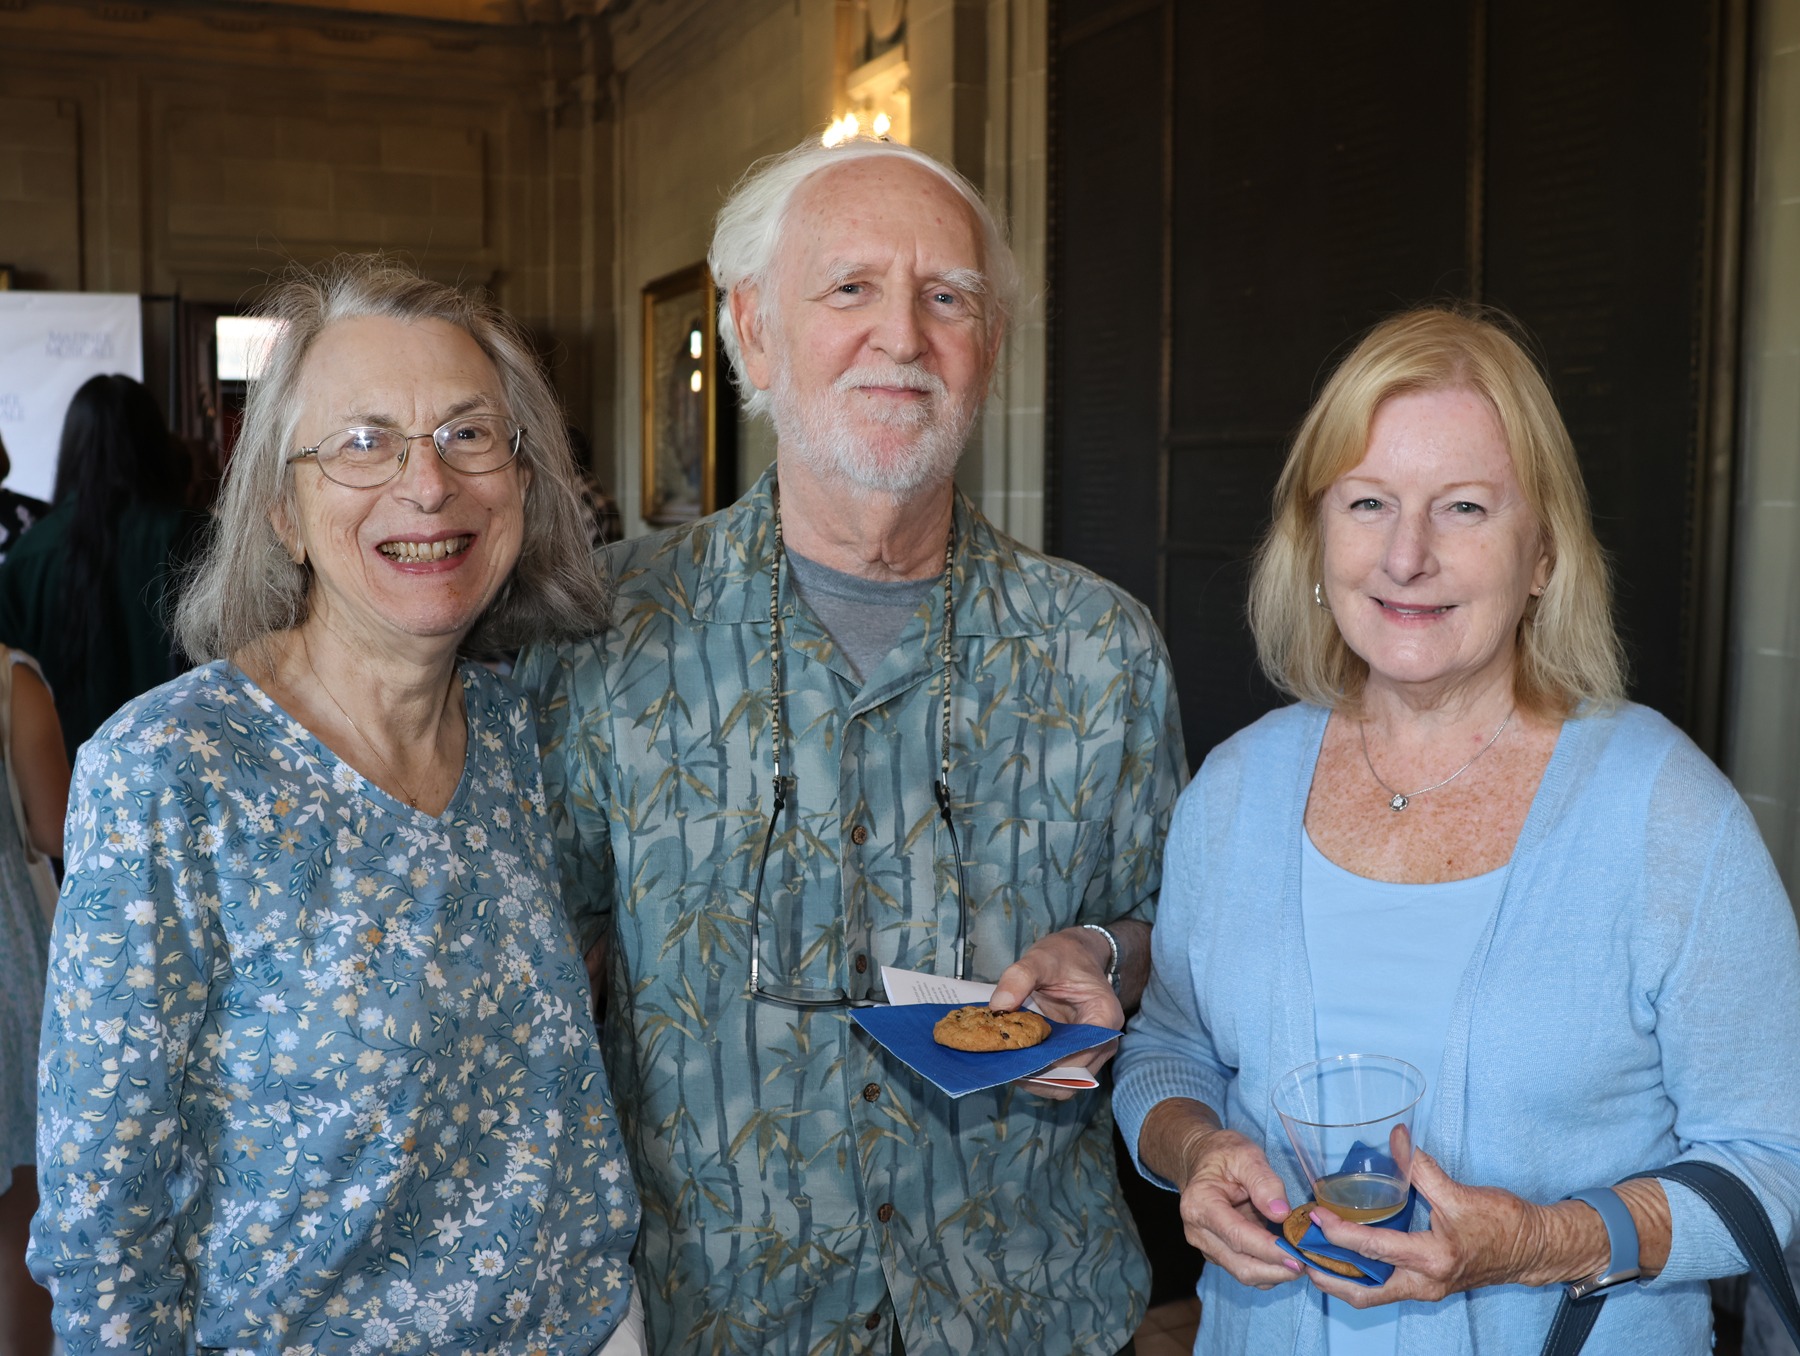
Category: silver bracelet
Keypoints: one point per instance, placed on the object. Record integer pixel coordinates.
(1112, 969)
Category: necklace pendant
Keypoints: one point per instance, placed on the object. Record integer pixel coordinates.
(1399, 802)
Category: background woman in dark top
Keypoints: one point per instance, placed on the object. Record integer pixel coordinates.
(87, 589)
(17, 511)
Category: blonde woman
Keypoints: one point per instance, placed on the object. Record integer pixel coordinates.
(1464, 848)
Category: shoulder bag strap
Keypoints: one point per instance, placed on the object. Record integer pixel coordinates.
(1742, 1214)
(1573, 1322)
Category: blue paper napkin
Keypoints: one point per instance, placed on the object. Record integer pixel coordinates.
(1372, 1272)
(904, 1030)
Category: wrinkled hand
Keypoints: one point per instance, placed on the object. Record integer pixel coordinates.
(1229, 1192)
(1061, 973)
(1478, 1236)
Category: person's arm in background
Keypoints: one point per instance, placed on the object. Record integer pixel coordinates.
(129, 981)
(40, 763)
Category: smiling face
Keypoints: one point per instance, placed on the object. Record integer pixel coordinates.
(871, 336)
(1431, 550)
(421, 557)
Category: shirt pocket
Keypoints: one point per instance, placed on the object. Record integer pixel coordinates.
(1027, 878)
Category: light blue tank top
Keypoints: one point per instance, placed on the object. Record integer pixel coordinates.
(1386, 962)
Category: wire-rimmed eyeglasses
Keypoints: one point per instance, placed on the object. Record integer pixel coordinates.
(368, 455)
(799, 996)
(796, 996)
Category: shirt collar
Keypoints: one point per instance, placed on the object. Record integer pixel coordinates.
(736, 552)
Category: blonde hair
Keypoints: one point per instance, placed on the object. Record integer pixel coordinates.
(245, 587)
(1568, 648)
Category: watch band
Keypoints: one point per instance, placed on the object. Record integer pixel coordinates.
(1112, 966)
(1621, 1237)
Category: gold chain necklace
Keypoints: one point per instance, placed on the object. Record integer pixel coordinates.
(412, 797)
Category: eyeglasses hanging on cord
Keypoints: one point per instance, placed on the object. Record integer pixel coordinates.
(796, 996)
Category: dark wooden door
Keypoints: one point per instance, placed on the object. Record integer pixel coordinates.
(1240, 189)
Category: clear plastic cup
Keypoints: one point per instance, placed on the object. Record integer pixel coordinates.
(1349, 1119)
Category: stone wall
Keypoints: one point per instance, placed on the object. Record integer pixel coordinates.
(194, 150)
(1763, 699)
(193, 147)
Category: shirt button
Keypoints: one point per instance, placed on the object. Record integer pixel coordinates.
(886, 1212)
(871, 1092)
(859, 835)
(872, 1322)
(862, 963)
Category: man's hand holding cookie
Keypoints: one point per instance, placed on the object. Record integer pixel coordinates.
(1065, 973)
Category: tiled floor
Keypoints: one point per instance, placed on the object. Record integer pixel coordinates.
(1169, 1329)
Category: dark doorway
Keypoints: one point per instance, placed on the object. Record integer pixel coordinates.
(1240, 190)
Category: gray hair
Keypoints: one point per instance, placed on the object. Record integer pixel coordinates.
(245, 586)
(749, 229)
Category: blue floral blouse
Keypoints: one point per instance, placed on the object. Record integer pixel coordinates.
(318, 1073)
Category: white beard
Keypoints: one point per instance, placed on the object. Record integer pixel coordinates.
(895, 451)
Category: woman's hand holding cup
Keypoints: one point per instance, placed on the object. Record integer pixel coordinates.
(1479, 1236)
(1227, 1188)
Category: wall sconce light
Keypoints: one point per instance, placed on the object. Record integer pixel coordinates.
(849, 127)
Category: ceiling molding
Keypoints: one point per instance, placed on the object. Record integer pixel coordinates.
(471, 13)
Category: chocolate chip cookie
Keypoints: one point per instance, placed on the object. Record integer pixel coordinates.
(982, 1029)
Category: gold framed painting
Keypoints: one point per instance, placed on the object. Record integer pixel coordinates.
(681, 397)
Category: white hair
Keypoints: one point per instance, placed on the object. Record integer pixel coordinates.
(748, 235)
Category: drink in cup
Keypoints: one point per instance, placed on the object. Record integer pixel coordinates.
(1350, 1119)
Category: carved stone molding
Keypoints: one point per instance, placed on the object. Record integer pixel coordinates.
(235, 23)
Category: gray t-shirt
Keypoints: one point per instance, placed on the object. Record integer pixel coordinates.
(864, 616)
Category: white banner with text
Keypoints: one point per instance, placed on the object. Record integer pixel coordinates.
(51, 342)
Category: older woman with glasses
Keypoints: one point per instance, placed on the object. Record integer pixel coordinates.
(318, 1072)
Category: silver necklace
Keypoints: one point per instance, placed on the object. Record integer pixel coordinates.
(1401, 799)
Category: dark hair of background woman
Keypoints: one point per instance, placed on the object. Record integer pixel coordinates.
(116, 451)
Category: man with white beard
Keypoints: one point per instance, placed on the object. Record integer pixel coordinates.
(846, 724)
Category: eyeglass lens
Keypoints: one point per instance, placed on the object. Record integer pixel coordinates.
(801, 996)
(474, 444)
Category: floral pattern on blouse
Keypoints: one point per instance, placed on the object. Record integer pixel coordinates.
(318, 1073)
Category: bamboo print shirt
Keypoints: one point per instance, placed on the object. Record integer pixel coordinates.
(318, 1074)
(803, 1191)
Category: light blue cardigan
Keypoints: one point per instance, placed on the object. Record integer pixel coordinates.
(1634, 999)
